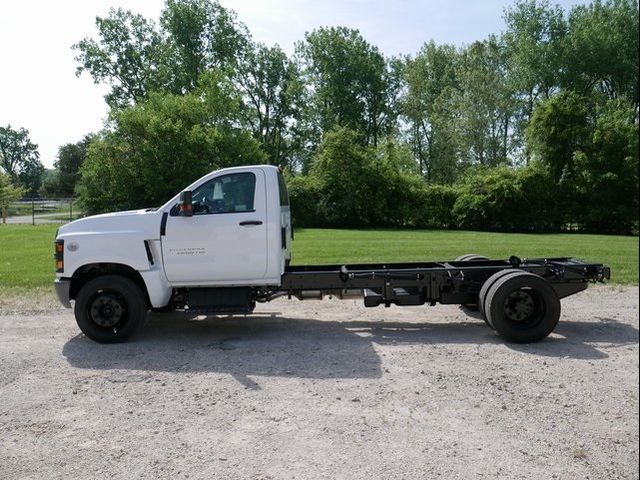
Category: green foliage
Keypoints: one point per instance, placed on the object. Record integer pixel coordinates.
(428, 106)
(560, 127)
(502, 199)
(434, 206)
(352, 185)
(593, 159)
(130, 55)
(160, 146)
(347, 179)
(19, 158)
(136, 56)
(351, 83)
(608, 179)
(540, 119)
(61, 182)
(484, 104)
(201, 35)
(304, 197)
(602, 49)
(8, 193)
(273, 96)
(534, 43)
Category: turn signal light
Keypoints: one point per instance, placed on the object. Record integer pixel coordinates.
(59, 256)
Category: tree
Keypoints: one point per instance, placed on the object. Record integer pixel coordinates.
(360, 186)
(504, 199)
(272, 100)
(345, 174)
(350, 83)
(159, 146)
(427, 105)
(602, 49)
(136, 56)
(20, 159)
(535, 53)
(8, 193)
(558, 129)
(592, 155)
(70, 159)
(608, 172)
(202, 35)
(484, 105)
(130, 55)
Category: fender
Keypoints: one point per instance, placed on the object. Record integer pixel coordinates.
(119, 251)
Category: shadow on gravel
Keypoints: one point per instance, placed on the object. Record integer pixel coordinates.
(574, 339)
(265, 344)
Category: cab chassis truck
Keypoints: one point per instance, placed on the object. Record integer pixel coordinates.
(224, 244)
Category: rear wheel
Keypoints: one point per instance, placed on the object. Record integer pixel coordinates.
(489, 282)
(110, 308)
(522, 307)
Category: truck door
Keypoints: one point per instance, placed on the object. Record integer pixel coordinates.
(225, 241)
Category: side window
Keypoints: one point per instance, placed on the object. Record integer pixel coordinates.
(233, 193)
(282, 187)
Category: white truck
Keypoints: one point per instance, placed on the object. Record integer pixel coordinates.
(224, 244)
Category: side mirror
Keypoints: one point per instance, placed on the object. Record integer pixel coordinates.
(185, 205)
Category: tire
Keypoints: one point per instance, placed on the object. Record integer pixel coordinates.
(110, 308)
(470, 257)
(489, 282)
(522, 307)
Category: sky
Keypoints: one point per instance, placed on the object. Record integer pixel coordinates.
(40, 91)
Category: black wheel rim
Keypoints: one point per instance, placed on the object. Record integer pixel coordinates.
(524, 308)
(108, 310)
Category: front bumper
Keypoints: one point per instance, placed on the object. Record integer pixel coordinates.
(62, 287)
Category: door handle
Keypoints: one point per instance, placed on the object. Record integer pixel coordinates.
(247, 223)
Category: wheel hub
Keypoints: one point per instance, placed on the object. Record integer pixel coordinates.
(519, 306)
(106, 310)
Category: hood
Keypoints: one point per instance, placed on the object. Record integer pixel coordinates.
(145, 221)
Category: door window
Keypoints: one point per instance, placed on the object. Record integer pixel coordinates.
(233, 193)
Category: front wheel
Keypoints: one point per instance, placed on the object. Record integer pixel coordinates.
(110, 308)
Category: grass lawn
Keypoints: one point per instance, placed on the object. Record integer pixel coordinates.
(340, 246)
(26, 251)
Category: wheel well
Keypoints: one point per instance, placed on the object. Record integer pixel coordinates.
(88, 272)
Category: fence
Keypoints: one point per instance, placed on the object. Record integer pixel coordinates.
(38, 211)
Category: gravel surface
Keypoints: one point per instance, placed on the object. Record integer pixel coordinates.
(314, 390)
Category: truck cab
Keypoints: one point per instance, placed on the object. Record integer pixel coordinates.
(238, 231)
(229, 230)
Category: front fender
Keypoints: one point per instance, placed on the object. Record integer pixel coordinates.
(125, 249)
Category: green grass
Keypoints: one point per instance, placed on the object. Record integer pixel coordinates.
(340, 246)
(26, 255)
(26, 252)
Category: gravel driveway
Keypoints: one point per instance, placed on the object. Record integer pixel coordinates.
(315, 390)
